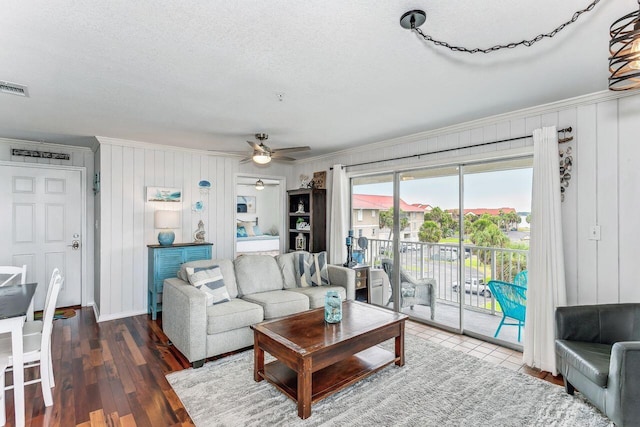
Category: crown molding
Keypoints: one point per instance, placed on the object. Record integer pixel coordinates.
(47, 145)
(564, 104)
(139, 144)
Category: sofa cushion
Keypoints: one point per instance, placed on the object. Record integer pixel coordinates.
(231, 315)
(590, 359)
(257, 273)
(286, 263)
(316, 294)
(226, 267)
(279, 303)
(209, 281)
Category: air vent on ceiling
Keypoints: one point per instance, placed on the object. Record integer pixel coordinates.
(14, 89)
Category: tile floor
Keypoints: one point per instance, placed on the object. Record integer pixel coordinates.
(506, 357)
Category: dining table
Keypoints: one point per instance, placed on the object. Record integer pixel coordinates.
(14, 304)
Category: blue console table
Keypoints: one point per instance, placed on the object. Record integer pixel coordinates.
(164, 262)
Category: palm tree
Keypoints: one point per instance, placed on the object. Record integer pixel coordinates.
(385, 220)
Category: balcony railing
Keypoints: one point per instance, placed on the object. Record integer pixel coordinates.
(442, 262)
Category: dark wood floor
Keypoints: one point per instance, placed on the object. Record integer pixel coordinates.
(113, 374)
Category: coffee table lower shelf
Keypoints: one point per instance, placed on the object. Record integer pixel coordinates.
(331, 379)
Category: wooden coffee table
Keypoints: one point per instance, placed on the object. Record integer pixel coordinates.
(316, 359)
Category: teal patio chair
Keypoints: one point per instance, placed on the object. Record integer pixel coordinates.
(521, 278)
(513, 302)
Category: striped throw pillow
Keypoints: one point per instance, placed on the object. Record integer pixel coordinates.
(209, 280)
(311, 269)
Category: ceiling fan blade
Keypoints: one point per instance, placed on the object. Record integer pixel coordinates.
(245, 160)
(256, 146)
(291, 150)
(282, 158)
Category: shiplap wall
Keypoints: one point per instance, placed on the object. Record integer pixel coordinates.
(80, 157)
(126, 219)
(603, 188)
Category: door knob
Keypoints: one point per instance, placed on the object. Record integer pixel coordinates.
(75, 244)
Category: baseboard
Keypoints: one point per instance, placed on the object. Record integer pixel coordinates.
(118, 315)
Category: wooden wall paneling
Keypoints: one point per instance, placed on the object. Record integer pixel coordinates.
(517, 128)
(464, 140)
(105, 229)
(117, 278)
(549, 119)
(607, 254)
(217, 219)
(503, 131)
(222, 206)
(229, 228)
(158, 167)
(585, 171)
(629, 202)
(187, 190)
(127, 231)
(149, 207)
(138, 194)
(178, 181)
(569, 211)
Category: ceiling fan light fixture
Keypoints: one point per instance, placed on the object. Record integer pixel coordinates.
(259, 185)
(261, 157)
(624, 62)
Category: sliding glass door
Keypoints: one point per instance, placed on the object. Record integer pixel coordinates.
(497, 206)
(447, 231)
(429, 243)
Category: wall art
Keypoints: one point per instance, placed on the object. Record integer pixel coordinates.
(163, 194)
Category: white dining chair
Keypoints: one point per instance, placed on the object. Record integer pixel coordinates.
(4, 364)
(36, 349)
(35, 326)
(13, 272)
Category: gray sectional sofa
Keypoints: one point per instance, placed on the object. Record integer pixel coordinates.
(261, 287)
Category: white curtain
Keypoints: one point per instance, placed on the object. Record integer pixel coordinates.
(546, 285)
(339, 218)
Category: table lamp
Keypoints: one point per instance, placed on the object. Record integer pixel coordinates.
(166, 221)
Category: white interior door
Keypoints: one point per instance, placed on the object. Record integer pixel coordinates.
(41, 213)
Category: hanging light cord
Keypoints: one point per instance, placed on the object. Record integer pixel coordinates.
(527, 43)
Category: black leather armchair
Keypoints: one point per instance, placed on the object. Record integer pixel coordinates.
(598, 352)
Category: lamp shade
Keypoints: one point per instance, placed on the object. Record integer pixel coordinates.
(166, 219)
(261, 157)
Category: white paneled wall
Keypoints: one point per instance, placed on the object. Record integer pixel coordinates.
(603, 189)
(126, 219)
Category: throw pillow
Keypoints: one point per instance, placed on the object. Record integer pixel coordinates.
(322, 272)
(248, 226)
(257, 231)
(311, 269)
(241, 232)
(305, 269)
(209, 280)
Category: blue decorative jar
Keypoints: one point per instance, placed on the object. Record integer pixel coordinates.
(332, 307)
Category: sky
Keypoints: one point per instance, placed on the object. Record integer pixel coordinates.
(510, 188)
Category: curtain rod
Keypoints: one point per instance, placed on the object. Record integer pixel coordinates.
(560, 141)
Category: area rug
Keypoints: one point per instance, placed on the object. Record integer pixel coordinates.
(60, 313)
(437, 386)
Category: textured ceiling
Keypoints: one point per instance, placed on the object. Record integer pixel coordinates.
(208, 74)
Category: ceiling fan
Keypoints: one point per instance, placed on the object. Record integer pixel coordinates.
(262, 154)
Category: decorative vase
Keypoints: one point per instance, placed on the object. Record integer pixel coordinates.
(332, 307)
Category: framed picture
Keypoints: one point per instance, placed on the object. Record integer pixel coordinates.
(163, 194)
(319, 179)
(246, 204)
